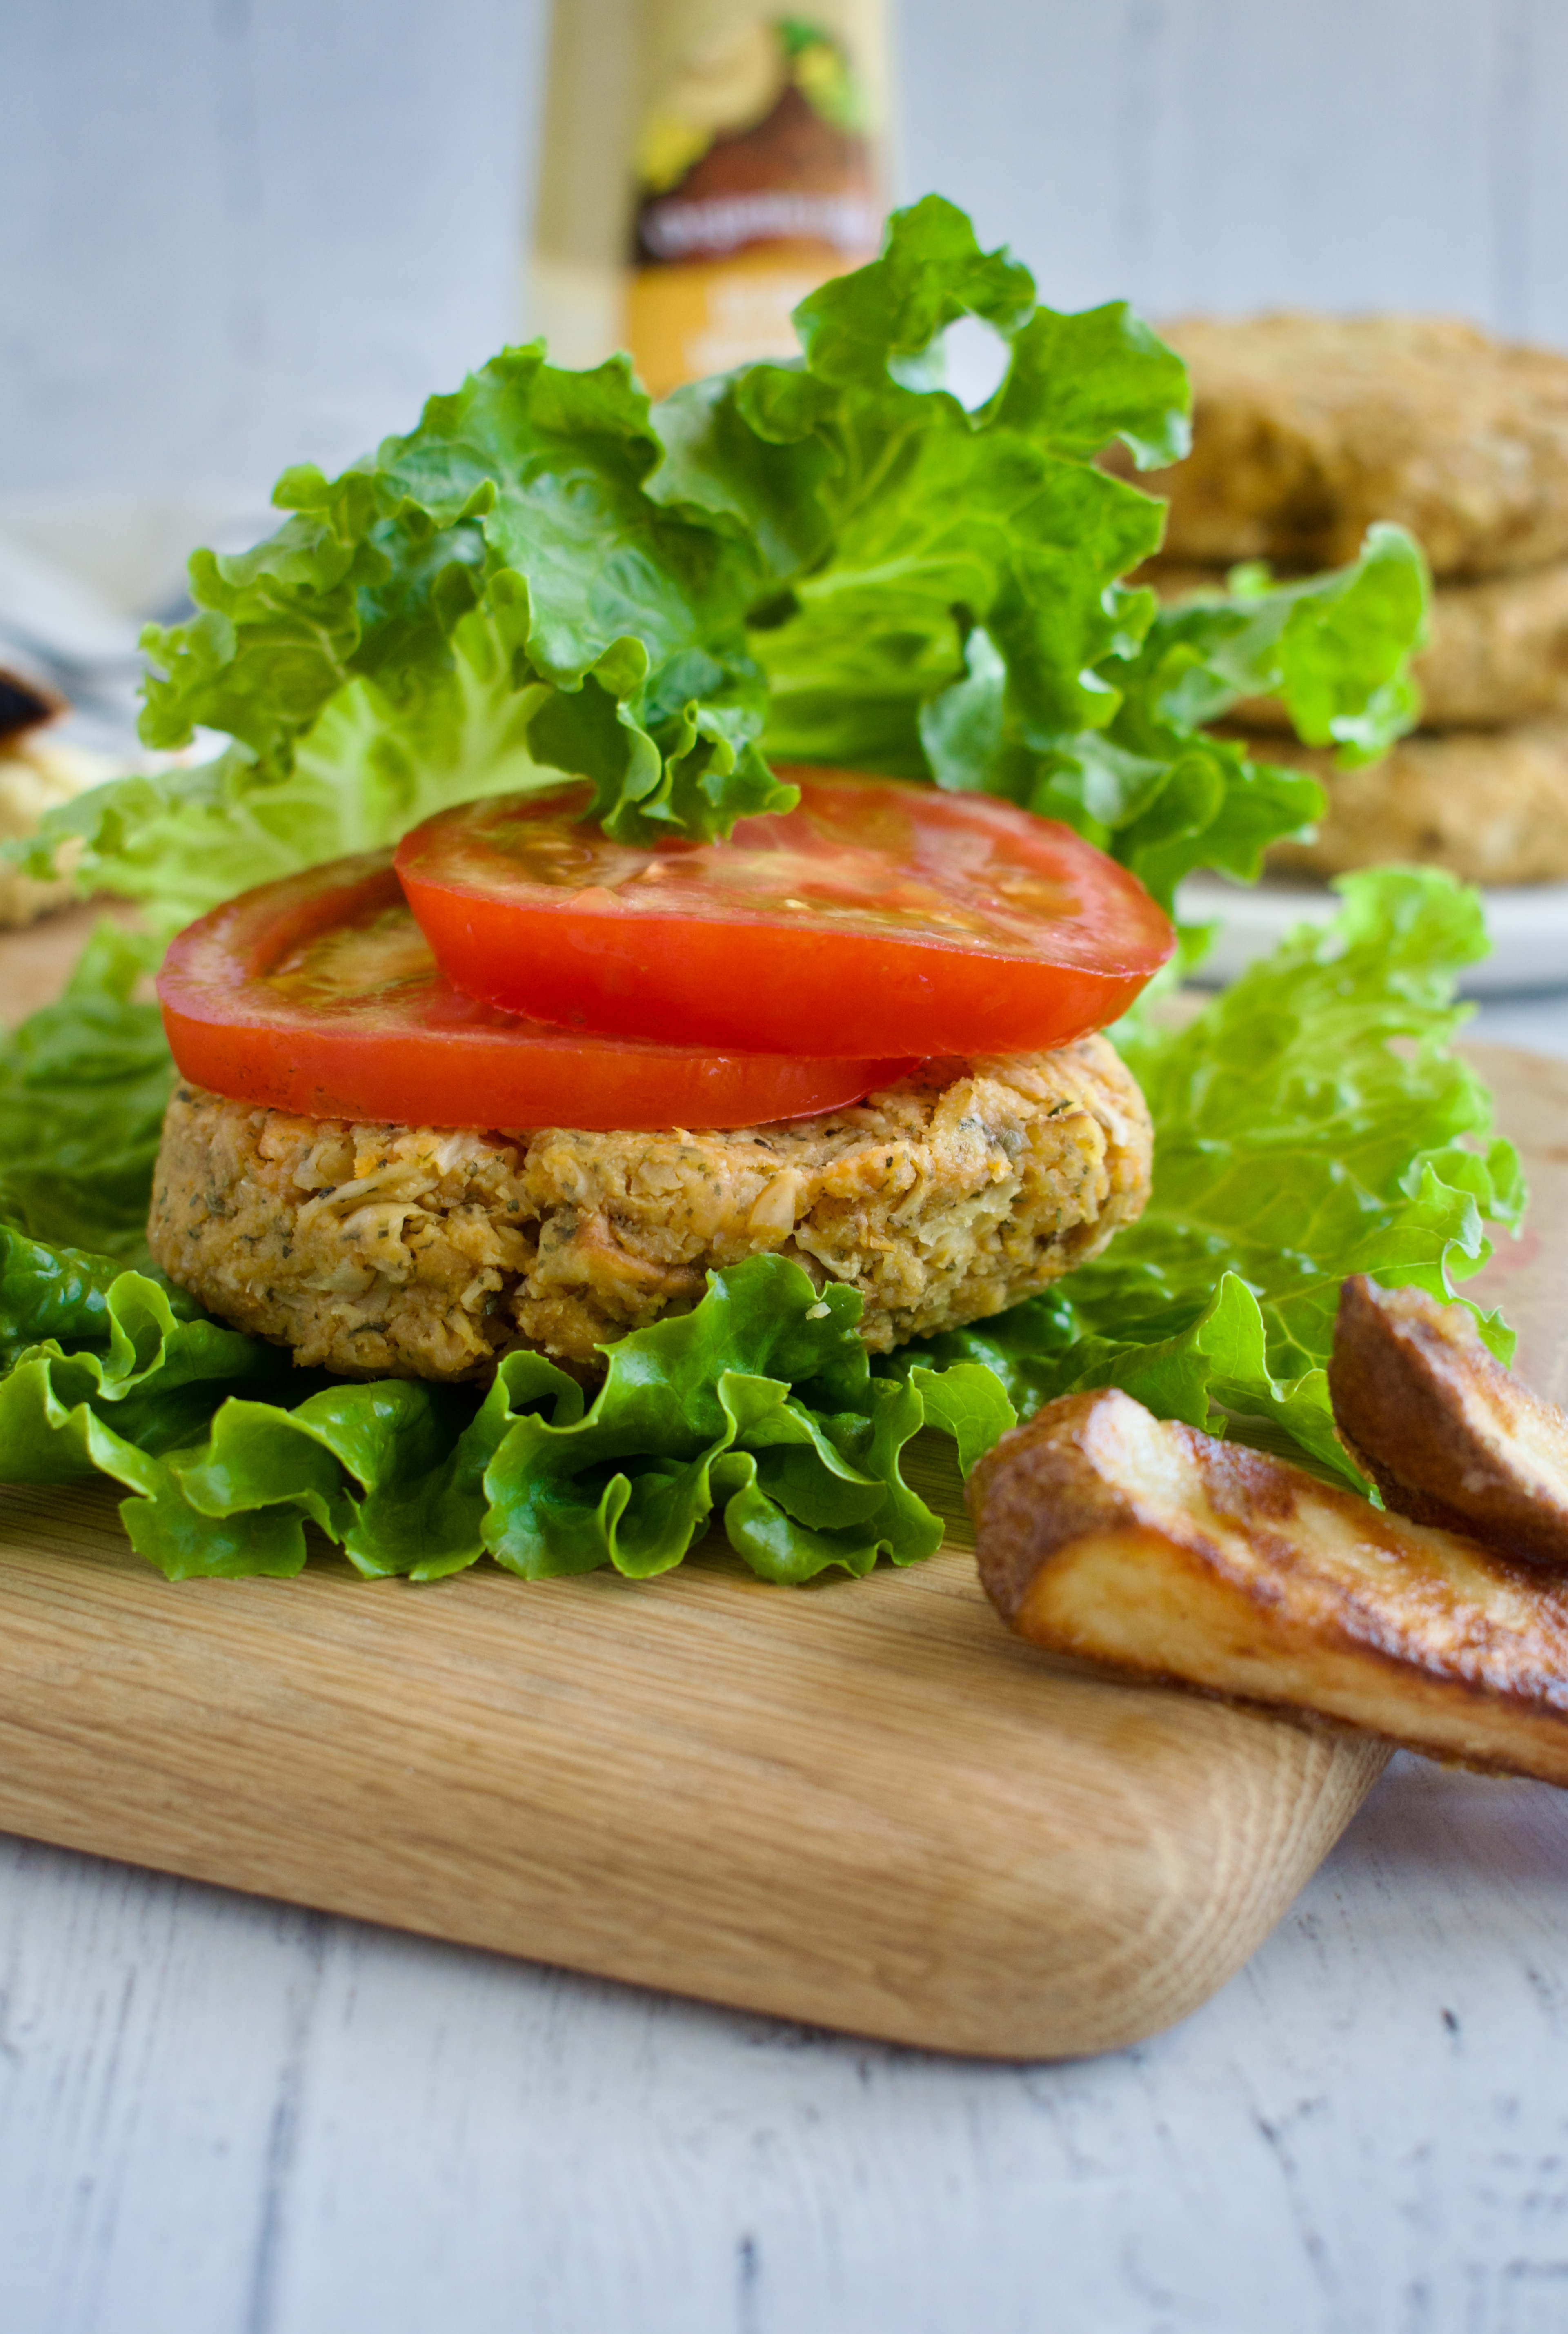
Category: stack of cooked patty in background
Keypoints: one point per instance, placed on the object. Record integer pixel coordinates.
(1308, 428)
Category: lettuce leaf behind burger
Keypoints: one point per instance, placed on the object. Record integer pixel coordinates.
(1313, 1122)
(83, 1090)
(828, 561)
(1310, 1121)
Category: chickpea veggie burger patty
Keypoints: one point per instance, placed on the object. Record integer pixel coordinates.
(377, 1249)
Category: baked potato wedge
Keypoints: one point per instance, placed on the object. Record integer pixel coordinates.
(1448, 1434)
(1141, 1544)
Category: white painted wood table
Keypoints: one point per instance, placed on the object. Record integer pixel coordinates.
(225, 2116)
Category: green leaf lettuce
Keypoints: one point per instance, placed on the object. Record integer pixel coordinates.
(83, 1089)
(825, 560)
(758, 1405)
(1312, 1122)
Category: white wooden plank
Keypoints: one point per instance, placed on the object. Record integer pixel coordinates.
(111, 161)
(1530, 181)
(148, 2034)
(233, 237)
(214, 2116)
(1229, 154)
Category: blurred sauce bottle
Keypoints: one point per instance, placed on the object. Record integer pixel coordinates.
(705, 164)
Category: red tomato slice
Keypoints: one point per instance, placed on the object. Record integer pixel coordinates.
(320, 995)
(875, 917)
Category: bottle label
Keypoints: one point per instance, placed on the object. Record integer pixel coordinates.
(756, 177)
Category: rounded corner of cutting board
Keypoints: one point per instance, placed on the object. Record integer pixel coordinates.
(1179, 1935)
(1110, 1901)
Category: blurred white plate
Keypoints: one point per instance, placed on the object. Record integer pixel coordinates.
(1528, 924)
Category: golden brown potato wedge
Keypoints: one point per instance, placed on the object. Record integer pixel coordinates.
(1136, 1542)
(1448, 1434)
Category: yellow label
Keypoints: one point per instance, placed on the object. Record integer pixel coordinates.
(707, 315)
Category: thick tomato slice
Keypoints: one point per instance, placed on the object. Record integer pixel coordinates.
(320, 995)
(874, 918)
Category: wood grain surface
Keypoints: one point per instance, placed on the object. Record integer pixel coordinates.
(861, 1804)
(36, 962)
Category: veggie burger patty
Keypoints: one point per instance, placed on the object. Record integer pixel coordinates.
(378, 1249)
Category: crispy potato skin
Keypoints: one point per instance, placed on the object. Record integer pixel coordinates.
(1449, 1437)
(1143, 1545)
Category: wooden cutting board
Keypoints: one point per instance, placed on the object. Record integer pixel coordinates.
(861, 1804)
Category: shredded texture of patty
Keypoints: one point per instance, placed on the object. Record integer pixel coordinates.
(1306, 428)
(1489, 805)
(383, 1251)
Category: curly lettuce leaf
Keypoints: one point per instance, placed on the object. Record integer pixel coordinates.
(758, 1407)
(493, 600)
(1080, 384)
(363, 773)
(958, 614)
(1334, 648)
(828, 561)
(526, 471)
(929, 520)
(1154, 787)
(1312, 1122)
